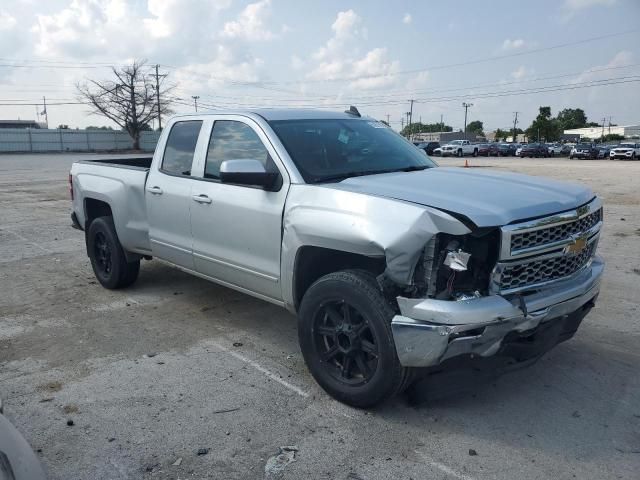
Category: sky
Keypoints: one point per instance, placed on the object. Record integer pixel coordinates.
(500, 56)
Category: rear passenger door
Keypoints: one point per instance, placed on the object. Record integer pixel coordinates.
(168, 194)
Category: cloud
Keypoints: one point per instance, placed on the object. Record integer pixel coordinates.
(250, 24)
(7, 22)
(521, 72)
(584, 4)
(407, 19)
(340, 56)
(515, 44)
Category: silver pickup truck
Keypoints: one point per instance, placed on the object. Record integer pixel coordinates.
(393, 265)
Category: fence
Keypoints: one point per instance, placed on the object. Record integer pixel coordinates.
(45, 140)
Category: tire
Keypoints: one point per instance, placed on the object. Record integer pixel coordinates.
(570, 157)
(633, 156)
(475, 152)
(338, 314)
(107, 256)
(459, 152)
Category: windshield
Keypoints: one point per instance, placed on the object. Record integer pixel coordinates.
(331, 150)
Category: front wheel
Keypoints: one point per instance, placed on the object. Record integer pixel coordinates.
(107, 256)
(344, 329)
(459, 153)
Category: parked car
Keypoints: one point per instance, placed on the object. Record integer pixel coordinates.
(628, 151)
(554, 149)
(519, 150)
(507, 149)
(482, 149)
(584, 150)
(604, 151)
(494, 149)
(429, 147)
(459, 148)
(566, 149)
(390, 262)
(534, 150)
(437, 151)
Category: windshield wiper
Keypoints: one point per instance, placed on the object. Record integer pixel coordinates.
(362, 173)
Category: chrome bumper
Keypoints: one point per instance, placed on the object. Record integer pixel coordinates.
(430, 331)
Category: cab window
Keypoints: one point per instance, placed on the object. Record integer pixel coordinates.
(233, 140)
(180, 148)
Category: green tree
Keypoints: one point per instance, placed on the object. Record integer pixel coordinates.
(572, 118)
(475, 127)
(425, 127)
(544, 127)
(613, 137)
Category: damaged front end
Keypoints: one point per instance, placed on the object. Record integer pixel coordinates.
(457, 305)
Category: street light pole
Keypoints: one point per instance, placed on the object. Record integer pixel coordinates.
(195, 101)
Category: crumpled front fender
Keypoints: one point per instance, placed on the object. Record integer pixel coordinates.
(359, 223)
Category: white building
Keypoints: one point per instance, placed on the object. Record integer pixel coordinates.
(627, 131)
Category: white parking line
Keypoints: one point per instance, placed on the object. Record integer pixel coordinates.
(444, 468)
(262, 370)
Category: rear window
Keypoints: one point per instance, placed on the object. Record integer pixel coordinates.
(180, 148)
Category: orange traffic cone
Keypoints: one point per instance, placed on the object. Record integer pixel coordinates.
(466, 163)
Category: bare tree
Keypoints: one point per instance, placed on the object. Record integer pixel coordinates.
(130, 100)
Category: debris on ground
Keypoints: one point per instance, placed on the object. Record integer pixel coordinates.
(177, 462)
(70, 423)
(277, 463)
(202, 451)
(226, 410)
(70, 409)
(472, 452)
(237, 344)
(576, 414)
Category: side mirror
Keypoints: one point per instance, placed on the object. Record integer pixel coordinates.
(247, 172)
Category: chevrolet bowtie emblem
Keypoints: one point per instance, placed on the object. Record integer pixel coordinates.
(576, 247)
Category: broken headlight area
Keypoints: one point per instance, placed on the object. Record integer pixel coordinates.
(456, 267)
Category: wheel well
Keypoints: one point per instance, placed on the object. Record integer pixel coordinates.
(315, 262)
(95, 208)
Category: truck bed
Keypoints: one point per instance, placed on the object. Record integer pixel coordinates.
(130, 162)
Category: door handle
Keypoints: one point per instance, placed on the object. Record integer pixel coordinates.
(155, 190)
(202, 198)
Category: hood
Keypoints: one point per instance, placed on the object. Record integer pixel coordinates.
(486, 198)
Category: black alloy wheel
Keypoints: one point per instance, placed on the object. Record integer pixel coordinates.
(345, 342)
(102, 254)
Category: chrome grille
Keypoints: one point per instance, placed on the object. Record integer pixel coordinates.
(536, 252)
(543, 270)
(556, 233)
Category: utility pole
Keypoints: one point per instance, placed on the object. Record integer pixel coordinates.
(609, 125)
(401, 123)
(158, 96)
(604, 119)
(466, 107)
(388, 122)
(408, 114)
(195, 101)
(44, 112)
(515, 122)
(410, 117)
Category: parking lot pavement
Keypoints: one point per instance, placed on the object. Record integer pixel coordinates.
(152, 374)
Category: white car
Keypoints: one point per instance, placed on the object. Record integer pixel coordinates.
(518, 151)
(459, 148)
(629, 151)
(555, 149)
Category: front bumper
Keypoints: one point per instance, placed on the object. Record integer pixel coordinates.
(429, 331)
(621, 155)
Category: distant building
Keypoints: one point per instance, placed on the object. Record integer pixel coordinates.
(627, 131)
(20, 124)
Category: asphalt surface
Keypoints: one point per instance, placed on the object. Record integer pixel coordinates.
(153, 374)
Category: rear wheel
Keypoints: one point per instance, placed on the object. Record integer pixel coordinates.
(107, 256)
(344, 328)
(459, 153)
